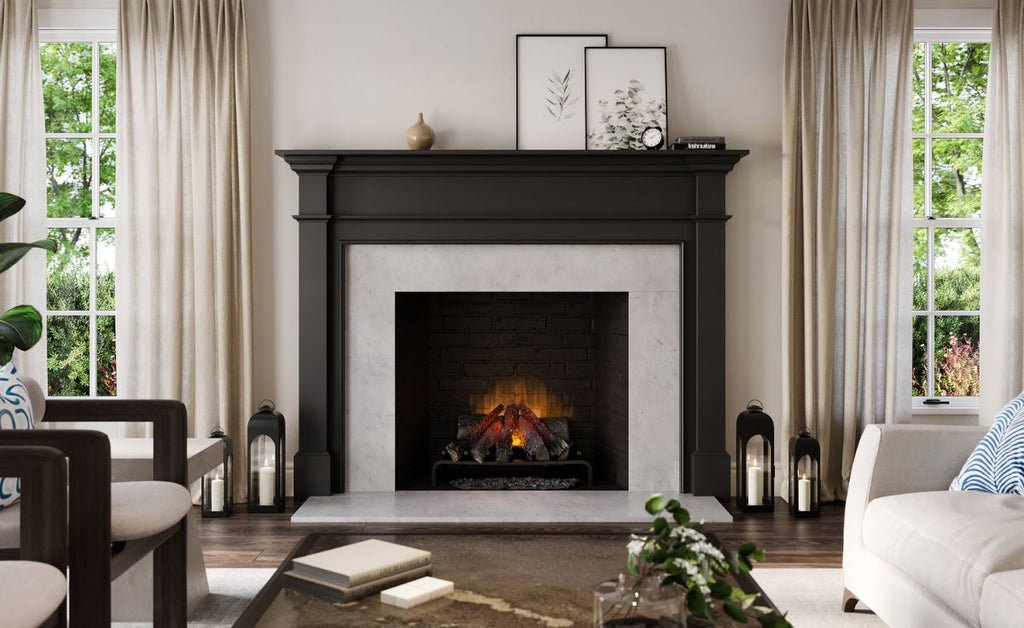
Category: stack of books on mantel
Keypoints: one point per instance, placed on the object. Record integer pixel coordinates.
(699, 142)
(351, 572)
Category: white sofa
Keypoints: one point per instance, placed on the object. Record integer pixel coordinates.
(919, 555)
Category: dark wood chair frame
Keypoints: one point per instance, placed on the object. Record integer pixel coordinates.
(44, 481)
(93, 561)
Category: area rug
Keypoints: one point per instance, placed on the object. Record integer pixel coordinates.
(230, 592)
(811, 598)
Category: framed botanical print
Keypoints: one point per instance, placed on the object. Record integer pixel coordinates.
(626, 94)
(550, 105)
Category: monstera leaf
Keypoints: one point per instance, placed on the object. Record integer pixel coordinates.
(21, 326)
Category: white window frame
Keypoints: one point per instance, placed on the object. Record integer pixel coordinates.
(976, 29)
(91, 33)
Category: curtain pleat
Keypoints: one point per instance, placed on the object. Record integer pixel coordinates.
(1002, 215)
(846, 231)
(183, 222)
(23, 164)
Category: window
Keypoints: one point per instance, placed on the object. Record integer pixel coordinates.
(950, 76)
(79, 85)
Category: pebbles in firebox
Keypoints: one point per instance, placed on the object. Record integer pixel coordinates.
(528, 483)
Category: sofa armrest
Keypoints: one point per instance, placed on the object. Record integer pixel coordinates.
(897, 459)
(169, 418)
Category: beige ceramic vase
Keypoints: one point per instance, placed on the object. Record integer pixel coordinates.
(420, 136)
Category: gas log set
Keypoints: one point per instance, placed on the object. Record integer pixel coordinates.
(505, 432)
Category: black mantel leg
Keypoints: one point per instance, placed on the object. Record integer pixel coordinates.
(704, 390)
(313, 473)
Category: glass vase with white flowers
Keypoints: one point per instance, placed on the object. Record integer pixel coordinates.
(677, 577)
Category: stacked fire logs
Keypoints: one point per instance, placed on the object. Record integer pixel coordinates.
(501, 429)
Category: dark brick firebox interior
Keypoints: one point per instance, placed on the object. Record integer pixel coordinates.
(455, 349)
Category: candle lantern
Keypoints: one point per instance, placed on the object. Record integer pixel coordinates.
(265, 456)
(216, 488)
(755, 460)
(804, 475)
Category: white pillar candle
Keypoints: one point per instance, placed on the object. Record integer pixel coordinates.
(217, 494)
(755, 488)
(267, 486)
(803, 497)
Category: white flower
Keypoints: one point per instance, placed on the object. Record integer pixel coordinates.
(635, 546)
(703, 548)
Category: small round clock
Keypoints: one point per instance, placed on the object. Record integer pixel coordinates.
(653, 138)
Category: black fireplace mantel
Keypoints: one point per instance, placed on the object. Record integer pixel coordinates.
(509, 197)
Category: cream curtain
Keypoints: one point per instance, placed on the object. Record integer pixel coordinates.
(184, 302)
(1002, 215)
(22, 163)
(846, 233)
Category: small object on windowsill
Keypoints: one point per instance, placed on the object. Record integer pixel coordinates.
(935, 402)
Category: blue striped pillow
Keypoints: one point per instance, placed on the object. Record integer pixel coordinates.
(997, 464)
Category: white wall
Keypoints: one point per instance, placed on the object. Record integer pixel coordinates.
(353, 74)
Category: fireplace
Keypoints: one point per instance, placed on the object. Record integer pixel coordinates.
(376, 224)
(524, 384)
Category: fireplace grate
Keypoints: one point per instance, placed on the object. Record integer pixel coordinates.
(524, 466)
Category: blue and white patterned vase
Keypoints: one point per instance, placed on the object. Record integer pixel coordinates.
(15, 414)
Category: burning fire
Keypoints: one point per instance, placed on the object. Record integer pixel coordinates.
(528, 390)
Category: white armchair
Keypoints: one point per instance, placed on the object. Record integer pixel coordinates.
(919, 555)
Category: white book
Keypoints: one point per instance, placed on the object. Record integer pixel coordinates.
(361, 562)
(416, 592)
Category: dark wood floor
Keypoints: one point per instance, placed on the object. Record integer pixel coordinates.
(264, 540)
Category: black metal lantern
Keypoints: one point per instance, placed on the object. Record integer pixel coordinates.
(804, 475)
(265, 458)
(216, 488)
(755, 460)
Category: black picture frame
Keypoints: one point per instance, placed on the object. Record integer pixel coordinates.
(590, 80)
(520, 90)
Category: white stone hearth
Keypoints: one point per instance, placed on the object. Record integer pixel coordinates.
(651, 274)
(495, 507)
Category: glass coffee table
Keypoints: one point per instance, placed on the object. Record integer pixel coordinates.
(507, 580)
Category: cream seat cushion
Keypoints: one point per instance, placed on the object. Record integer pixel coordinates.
(948, 542)
(31, 592)
(137, 510)
(1002, 599)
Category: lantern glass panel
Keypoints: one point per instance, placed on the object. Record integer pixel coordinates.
(263, 474)
(807, 480)
(216, 489)
(755, 452)
(756, 469)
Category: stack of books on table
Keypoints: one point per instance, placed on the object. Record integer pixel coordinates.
(358, 570)
(699, 142)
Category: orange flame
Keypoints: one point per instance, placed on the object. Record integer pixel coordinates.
(528, 390)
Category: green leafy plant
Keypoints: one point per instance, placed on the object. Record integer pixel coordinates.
(676, 553)
(21, 326)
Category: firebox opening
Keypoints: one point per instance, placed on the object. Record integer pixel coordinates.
(521, 390)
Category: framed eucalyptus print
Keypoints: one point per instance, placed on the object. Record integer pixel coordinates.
(627, 92)
(550, 105)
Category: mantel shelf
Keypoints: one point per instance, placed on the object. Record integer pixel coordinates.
(511, 162)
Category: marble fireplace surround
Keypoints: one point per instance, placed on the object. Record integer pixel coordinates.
(649, 273)
(375, 222)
